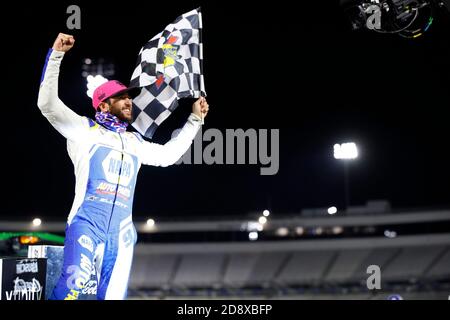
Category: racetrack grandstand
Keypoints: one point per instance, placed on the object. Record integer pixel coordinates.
(309, 255)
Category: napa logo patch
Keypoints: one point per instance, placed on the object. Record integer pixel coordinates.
(113, 165)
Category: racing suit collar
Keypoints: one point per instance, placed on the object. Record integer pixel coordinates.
(111, 122)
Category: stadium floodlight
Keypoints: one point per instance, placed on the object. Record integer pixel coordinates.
(93, 82)
(37, 222)
(253, 236)
(97, 66)
(332, 210)
(318, 231)
(266, 213)
(252, 226)
(262, 220)
(345, 151)
(282, 232)
(337, 230)
(390, 234)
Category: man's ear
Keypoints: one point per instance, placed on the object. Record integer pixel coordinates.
(103, 107)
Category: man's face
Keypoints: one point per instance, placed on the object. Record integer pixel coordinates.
(120, 106)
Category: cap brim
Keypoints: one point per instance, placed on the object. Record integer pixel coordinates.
(132, 91)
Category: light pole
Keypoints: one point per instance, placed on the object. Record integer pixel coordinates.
(346, 152)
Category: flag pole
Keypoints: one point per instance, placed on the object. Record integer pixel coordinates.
(201, 112)
(202, 83)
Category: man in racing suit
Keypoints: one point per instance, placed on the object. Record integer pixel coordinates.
(100, 234)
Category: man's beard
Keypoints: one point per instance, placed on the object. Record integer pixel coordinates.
(122, 117)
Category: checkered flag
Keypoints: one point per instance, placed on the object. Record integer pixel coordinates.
(169, 67)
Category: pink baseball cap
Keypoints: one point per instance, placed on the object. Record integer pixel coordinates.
(110, 89)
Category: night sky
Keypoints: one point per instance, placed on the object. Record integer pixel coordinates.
(299, 69)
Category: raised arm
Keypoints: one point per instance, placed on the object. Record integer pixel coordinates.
(68, 123)
(169, 153)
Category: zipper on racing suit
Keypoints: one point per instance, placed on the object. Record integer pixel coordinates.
(118, 182)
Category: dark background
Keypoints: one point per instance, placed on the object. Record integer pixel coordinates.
(293, 67)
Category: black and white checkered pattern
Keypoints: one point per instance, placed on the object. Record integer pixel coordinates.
(180, 45)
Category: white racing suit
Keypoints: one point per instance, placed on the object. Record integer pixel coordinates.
(100, 234)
